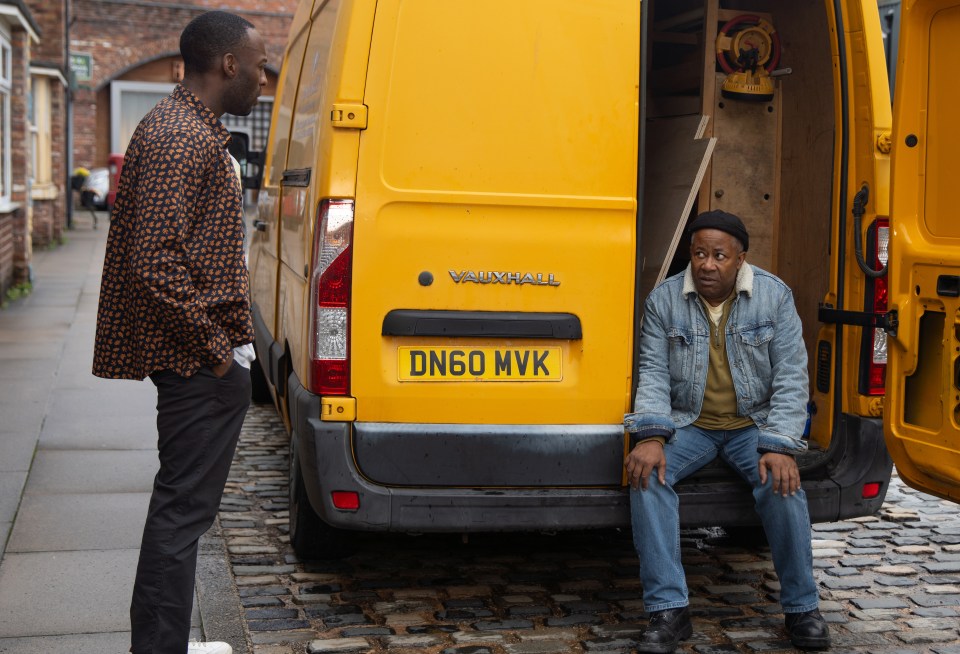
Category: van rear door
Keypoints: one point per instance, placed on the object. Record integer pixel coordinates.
(922, 411)
(494, 237)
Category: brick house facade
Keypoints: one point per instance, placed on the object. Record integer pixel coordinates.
(134, 49)
(19, 36)
(49, 190)
(128, 53)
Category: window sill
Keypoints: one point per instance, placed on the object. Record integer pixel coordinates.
(9, 207)
(44, 192)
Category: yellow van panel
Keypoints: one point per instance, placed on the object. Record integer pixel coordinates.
(413, 238)
(940, 168)
(922, 411)
(505, 97)
(265, 243)
(528, 169)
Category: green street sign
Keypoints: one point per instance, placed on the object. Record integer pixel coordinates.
(82, 66)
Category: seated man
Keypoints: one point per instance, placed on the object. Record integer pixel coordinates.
(723, 371)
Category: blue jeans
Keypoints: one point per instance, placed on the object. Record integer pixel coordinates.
(655, 514)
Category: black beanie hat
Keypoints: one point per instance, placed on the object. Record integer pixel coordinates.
(725, 222)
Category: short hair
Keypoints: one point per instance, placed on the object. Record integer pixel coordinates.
(208, 37)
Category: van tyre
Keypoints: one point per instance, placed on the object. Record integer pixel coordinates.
(259, 388)
(311, 538)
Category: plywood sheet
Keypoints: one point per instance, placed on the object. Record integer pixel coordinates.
(745, 169)
(676, 159)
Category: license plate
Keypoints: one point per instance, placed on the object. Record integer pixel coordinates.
(451, 364)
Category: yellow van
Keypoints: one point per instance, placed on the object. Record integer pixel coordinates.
(464, 204)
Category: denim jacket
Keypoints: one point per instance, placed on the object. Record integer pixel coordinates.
(765, 350)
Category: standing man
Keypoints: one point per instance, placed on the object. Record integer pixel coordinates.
(174, 306)
(723, 371)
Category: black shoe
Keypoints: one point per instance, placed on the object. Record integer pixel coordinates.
(807, 630)
(665, 631)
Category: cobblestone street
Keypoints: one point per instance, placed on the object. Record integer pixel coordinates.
(889, 583)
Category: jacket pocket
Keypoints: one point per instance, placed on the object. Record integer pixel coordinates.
(680, 354)
(755, 350)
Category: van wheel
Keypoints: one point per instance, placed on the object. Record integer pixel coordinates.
(312, 539)
(259, 389)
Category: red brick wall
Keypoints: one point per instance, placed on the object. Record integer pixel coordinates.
(19, 161)
(49, 17)
(19, 129)
(6, 254)
(49, 216)
(43, 221)
(58, 167)
(123, 35)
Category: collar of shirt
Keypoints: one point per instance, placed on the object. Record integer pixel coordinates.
(716, 312)
(185, 96)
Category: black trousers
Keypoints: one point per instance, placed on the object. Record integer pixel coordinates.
(198, 423)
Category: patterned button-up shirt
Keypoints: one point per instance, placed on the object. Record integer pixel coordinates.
(174, 294)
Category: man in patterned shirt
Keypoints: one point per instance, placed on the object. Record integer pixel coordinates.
(174, 306)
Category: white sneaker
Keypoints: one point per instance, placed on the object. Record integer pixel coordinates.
(196, 647)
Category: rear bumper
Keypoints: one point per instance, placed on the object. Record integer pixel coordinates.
(329, 455)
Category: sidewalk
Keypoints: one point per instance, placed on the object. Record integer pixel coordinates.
(77, 461)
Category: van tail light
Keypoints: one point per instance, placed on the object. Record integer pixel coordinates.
(330, 284)
(346, 500)
(871, 490)
(875, 339)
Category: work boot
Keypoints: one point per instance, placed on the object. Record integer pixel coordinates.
(665, 631)
(807, 630)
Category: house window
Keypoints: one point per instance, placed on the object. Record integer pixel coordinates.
(130, 102)
(40, 132)
(6, 73)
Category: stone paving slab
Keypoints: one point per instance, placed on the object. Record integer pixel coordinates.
(11, 486)
(127, 399)
(5, 528)
(105, 643)
(70, 522)
(17, 449)
(68, 471)
(84, 583)
(91, 432)
(24, 416)
(14, 367)
(36, 351)
(31, 322)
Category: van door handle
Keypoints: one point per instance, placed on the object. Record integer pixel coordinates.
(259, 225)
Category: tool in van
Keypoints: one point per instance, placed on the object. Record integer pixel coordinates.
(748, 50)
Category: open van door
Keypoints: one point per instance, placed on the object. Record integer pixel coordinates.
(922, 412)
